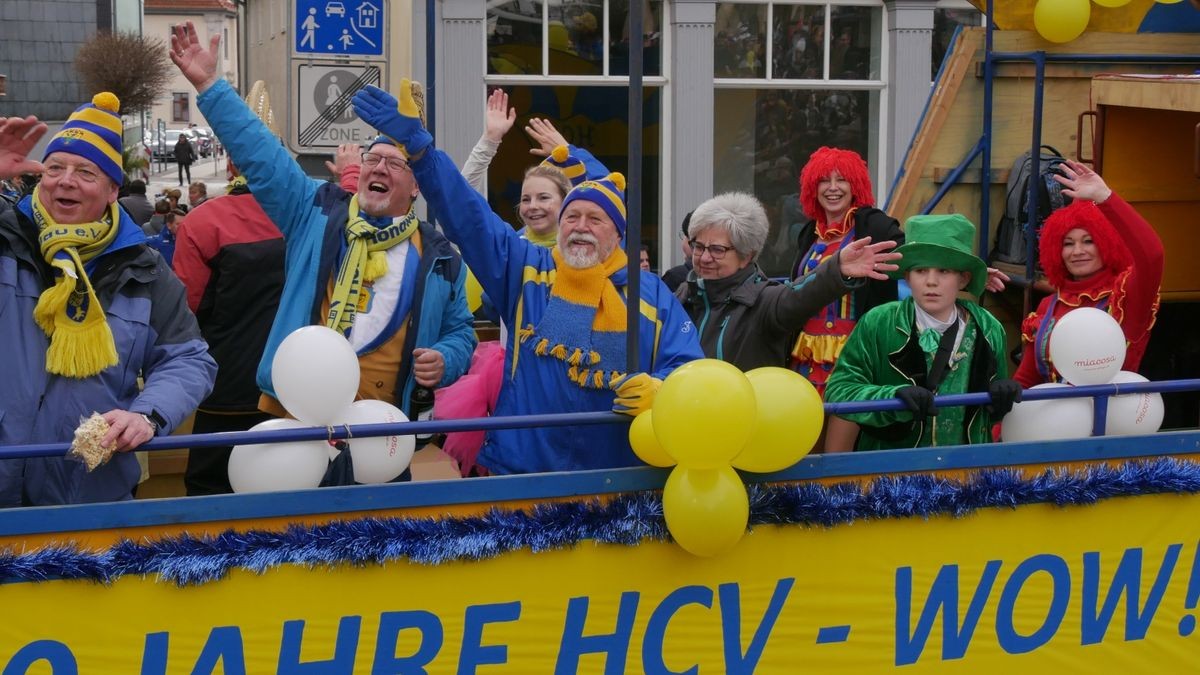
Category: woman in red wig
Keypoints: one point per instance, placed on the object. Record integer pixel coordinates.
(836, 195)
(1096, 252)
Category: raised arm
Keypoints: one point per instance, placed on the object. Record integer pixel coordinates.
(498, 119)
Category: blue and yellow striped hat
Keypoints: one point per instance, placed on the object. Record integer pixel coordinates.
(93, 132)
(572, 167)
(607, 192)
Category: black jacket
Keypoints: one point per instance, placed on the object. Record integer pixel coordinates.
(751, 321)
(868, 221)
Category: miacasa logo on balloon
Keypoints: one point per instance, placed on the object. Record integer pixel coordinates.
(1094, 363)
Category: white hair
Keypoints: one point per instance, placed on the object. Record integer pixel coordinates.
(739, 214)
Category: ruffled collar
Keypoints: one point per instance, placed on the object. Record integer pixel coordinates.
(1075, 292)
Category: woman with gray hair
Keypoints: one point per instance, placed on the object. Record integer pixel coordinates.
(744, 317)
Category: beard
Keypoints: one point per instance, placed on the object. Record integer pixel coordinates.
(581, 259)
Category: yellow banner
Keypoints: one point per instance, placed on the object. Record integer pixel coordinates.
(1102, 588)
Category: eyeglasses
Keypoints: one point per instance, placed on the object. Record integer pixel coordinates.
(716, 250)
(82, 173)
(371, 159)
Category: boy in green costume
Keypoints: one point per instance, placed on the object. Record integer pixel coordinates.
(930, 343)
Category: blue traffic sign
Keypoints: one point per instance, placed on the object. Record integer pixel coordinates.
(340, 27)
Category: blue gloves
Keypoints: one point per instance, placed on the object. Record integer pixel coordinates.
(398, 120)
(635, 393)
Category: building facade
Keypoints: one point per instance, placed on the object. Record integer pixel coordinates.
(177, 108)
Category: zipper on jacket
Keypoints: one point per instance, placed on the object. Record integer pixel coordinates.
(707, 309)
(721, 339)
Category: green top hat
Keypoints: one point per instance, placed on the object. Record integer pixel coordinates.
(945, 241)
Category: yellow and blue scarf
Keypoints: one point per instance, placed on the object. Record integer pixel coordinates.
(81, 342)
(366, 260)
(584, 323)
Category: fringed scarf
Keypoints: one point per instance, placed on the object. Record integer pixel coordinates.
(830, 230)
(81, 342)
(366, 260)
(584, 323)
(547, 240)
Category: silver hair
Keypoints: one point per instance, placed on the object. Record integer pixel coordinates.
(739, 214)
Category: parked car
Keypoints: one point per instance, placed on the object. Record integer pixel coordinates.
(202, 138)
(165, 150)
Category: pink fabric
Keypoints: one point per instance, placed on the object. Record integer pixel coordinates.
(473, 395)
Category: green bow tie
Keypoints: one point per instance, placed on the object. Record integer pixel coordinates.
(929, 340)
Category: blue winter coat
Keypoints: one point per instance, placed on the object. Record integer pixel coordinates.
(312, 216)
(156, 337)
(517, 275)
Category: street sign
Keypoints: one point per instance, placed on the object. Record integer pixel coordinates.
(324, 116)
(340, 27)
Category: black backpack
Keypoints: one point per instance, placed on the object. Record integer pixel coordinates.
(1012, 233)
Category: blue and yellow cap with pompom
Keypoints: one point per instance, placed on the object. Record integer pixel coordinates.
(571, 166)
(607, 192)
(93, 132)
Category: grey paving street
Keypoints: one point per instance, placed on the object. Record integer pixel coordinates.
(210, 170)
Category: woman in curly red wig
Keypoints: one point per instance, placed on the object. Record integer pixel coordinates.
(836, 195)
(1096, 252)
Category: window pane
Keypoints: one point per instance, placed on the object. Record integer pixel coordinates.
(776, 131)
(740, 34)
(514, 38)
(180, 110)
(945, 22)
(854, 49)
(618, 35)
(595, 118)
(577, 38)
(799, 51)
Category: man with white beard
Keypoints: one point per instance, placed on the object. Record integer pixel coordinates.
(566, 306)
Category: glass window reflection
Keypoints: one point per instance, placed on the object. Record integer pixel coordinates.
(799, 42)
(514, 38)
(740, 35)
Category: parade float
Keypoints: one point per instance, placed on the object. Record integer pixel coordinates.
(1065, 548)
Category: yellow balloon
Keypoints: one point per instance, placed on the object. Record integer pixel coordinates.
(474, 292)
(645, 444)
(1168, 2)
(790, 417)
(1116, 3)
(1061, 20)
(706, 509)
(704, 413)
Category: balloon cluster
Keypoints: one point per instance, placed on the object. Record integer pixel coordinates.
(1087, 346)
(709, 419)
(315, 375)
(1065, 20)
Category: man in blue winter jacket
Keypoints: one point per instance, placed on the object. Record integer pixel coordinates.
(361, 264)
(566, 306)
(86, 310)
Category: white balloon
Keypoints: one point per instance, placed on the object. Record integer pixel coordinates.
(1132, 414)
(378, 459)
(1048, 420)
(1087, 346)
(272, 467)
(315, 374)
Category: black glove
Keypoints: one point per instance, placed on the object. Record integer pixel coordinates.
(1004, 394)
(919, 400)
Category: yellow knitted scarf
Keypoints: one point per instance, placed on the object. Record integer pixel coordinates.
(366, 260)
(81, 343)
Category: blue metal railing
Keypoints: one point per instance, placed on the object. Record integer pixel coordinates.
(1099, 393)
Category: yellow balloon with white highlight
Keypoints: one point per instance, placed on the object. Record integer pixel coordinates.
(706, 509)
(789, 420)
(704, 413)
(1061, 20)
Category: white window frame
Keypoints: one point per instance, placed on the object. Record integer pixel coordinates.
(880, 180)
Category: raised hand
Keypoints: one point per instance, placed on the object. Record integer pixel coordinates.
(18, 135)
(861, 258)
(198, 65)
(398, 120)
(499, 118)
(545, 135)
(1081, 182)
(996, 280)
(347, 154)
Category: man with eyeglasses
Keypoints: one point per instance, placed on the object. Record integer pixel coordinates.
(361, 264)
(86, 310)
(566, 306)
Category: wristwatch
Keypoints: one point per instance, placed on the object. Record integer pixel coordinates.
(151, 422)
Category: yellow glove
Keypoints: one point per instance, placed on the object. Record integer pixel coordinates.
(635, 393)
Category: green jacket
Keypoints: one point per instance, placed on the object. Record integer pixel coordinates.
(882, 356)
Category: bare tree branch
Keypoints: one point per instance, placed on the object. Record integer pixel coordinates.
(134, 67)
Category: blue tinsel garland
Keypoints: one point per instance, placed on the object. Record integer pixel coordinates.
(627, 519)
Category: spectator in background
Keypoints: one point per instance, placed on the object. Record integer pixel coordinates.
(644, 258)
(230, 256)
(173, 196)
(136, 204)
(164, 241)
(197, 194)
(678, 274)
(162, 208)
(185, 154)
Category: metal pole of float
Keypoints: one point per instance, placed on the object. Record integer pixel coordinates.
(985, 141)
(633, 191)
(1031, 204)
(430, 85)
